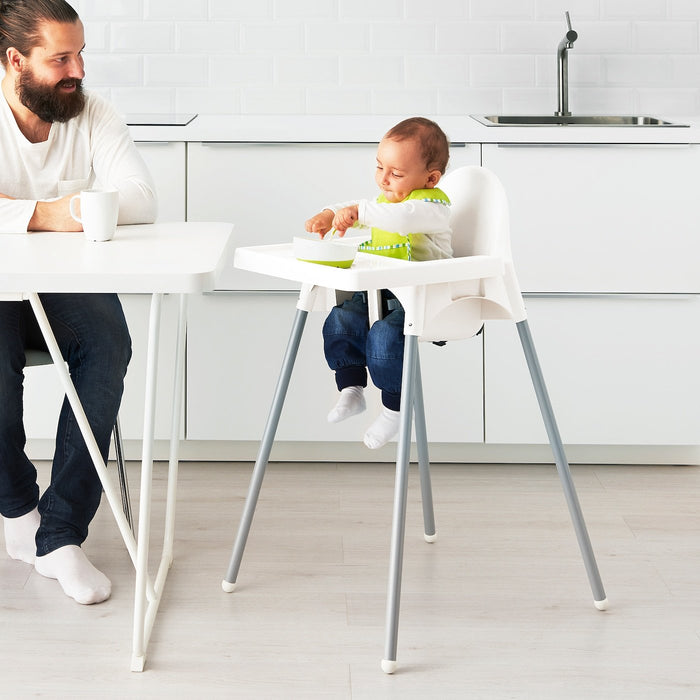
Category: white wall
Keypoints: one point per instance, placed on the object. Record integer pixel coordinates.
(392, 56)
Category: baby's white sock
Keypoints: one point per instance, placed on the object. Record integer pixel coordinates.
(19, 536)
(79, 579)
(350, 403)
(385, 427)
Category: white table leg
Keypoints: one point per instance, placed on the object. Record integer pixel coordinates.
(113, 497)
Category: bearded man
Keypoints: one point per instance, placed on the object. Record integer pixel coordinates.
(56, 140)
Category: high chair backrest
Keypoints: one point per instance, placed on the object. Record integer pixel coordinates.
(478, 212)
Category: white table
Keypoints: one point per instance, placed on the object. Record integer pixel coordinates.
(165, 258)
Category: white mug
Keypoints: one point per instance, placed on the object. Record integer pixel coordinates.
(99, 210)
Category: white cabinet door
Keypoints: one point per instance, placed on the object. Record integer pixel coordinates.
(236, 343)
(619, 371)
(602, 218)
(268, 190)
(166, 161)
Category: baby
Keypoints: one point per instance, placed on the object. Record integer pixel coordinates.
(409, 220)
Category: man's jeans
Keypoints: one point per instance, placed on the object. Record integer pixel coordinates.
(350, 346)
(94, 340)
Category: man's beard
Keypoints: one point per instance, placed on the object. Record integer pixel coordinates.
(47, 101)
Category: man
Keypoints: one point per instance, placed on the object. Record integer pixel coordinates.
(56, 140)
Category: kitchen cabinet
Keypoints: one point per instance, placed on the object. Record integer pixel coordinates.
(166, 161)
(602, 217)
(620, 370)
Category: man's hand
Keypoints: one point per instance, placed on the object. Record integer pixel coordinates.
(54, 216)
(321, 223)
(344, 218)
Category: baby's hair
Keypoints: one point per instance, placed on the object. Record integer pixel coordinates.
(20, 20)
(434, 145)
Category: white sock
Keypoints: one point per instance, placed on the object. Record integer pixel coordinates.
(385, 427)
(79, 579)
(350, 403)
(19, 536)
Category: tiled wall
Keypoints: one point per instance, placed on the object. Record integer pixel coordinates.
(392, 56)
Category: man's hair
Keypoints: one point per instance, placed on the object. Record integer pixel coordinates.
(434, 145)
(20, 21)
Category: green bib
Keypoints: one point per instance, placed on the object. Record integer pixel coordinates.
(396, 245)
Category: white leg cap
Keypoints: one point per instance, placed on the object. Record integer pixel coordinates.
(430, 538)
(228, 587)
(388, 666)
(601, 604)
(137, 663)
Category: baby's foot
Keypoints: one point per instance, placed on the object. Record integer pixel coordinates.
(19, 536)
(350, 403)
(384, 428)
(79, 579)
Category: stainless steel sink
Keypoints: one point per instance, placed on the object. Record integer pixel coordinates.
(584, 120)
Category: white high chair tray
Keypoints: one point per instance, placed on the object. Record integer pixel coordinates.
(367, 272)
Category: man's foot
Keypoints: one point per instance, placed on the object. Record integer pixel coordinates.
(19, 536)
(79, 579)
(384, 428)
(350, 403)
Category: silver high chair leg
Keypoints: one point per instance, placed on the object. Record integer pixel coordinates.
(599, 598)
(426, 488)
(229, 582)
(408, 390)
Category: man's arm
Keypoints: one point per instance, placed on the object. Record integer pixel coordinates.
(54, 216)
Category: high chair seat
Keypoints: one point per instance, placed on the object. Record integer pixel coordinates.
(443, 300)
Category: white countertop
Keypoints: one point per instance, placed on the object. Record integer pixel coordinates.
(369, 129)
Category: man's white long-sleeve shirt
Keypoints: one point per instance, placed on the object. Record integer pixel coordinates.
(92, 150)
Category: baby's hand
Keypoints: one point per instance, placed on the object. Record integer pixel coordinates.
(344, 218)
(321, 223)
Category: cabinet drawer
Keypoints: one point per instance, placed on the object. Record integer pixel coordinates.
(619, 370)
(602, 218)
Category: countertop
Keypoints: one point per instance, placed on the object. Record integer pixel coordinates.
(369, 129)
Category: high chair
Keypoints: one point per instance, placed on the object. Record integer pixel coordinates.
(444, 300)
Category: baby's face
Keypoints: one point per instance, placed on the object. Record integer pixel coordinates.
(401, 169)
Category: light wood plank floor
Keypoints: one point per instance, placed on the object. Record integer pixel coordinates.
(499, 607)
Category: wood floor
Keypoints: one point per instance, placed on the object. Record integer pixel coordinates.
(499, 607)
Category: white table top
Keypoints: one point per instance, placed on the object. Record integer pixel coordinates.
(368, 271)
(166, 257)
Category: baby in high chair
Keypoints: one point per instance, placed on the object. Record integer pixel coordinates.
(408, 220)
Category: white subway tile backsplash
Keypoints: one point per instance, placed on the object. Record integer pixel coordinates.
(212, 37)
(442, 70)
(175, 70)
(448, 56)
(240, 10)
(142, 37)
(502, 9)
(633, 9)
(305, 70)
(370, 10)
(176, 10)
(305, 9)
(666, 37)
(403, 36)
(142, 100)
(503, 71)
(468, 38)
(273, 36)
